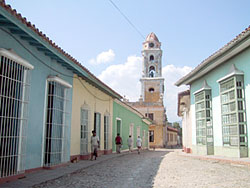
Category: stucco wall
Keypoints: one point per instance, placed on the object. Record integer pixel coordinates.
(127, 117)
(158, 136)
(38, 95)
(96, 101)
(242, 62)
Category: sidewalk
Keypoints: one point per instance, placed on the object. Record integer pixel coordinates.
(222, 159)
(43, 175)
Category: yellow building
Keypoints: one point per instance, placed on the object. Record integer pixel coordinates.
(92, 109)
(172, 137)
(150, 103)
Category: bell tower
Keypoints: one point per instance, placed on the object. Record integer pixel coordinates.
(152, 83)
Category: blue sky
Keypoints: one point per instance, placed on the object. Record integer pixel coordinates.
(189, 31)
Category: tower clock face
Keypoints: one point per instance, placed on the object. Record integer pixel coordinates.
(151, 45)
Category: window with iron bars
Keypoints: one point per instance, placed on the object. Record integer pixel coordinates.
(14, 99)
(57, 122)
(84, 131)
(106, 132)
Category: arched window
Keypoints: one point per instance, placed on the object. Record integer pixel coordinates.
(151, 90)
(151, 58)
(151, 71)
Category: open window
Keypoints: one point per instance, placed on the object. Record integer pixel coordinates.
(151, 58)
(151, 90)
(151, 71)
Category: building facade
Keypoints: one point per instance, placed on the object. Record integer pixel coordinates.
(185, 113)
(128, 121)
(150, 103)
(35, 99)
(220, 103)
(36, 89)
(172, 137)
(93, 110)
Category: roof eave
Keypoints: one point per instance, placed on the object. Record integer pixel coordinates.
(70, 61)
(215, 60)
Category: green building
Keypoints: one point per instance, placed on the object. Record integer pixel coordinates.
(128, 121)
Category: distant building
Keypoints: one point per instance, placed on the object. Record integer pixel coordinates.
(220, 100)
(172, 137)
(150, 103)
(185, 114)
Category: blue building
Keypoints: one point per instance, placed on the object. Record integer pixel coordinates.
(220, 100)
(36, 79)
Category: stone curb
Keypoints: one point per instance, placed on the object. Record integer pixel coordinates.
(42, 176)
(218, 159)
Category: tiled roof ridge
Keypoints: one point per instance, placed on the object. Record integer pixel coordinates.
(235, 40)
(53, 44)
(186, 92)
(172, 129)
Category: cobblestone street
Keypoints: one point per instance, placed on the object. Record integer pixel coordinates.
(160, 168)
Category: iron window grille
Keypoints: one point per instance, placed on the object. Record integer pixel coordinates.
(14, 100)
(106, 132)
(57, 122)
(84, 131)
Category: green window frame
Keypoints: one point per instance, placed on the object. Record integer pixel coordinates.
(203, 116)
(233, 114)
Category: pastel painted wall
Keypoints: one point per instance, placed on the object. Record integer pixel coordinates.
(38, 95)
(158, 136)
(242, 62)
(85, 94)
(127, 117)
(157, 125)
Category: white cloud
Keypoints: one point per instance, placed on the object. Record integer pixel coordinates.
(103, 57)
(125, 79)
(172, 74)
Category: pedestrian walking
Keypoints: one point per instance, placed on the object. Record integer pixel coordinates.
(130, 143)
(95, 143)
(118, 142)
(139, 144)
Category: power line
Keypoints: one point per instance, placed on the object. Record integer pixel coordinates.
(119, 10)
(51, 68)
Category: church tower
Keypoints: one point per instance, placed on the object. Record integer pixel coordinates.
(150, 103)
(152, 83)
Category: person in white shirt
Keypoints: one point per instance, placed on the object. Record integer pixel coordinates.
(130, 143)
(94, 145)
(139, 144)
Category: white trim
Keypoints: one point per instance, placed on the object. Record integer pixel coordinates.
(204, 87)
(44, 123)
(14, 57)
(118, 119)
(228, 76)
(151, 78)
(59, 80)
(233, 71)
